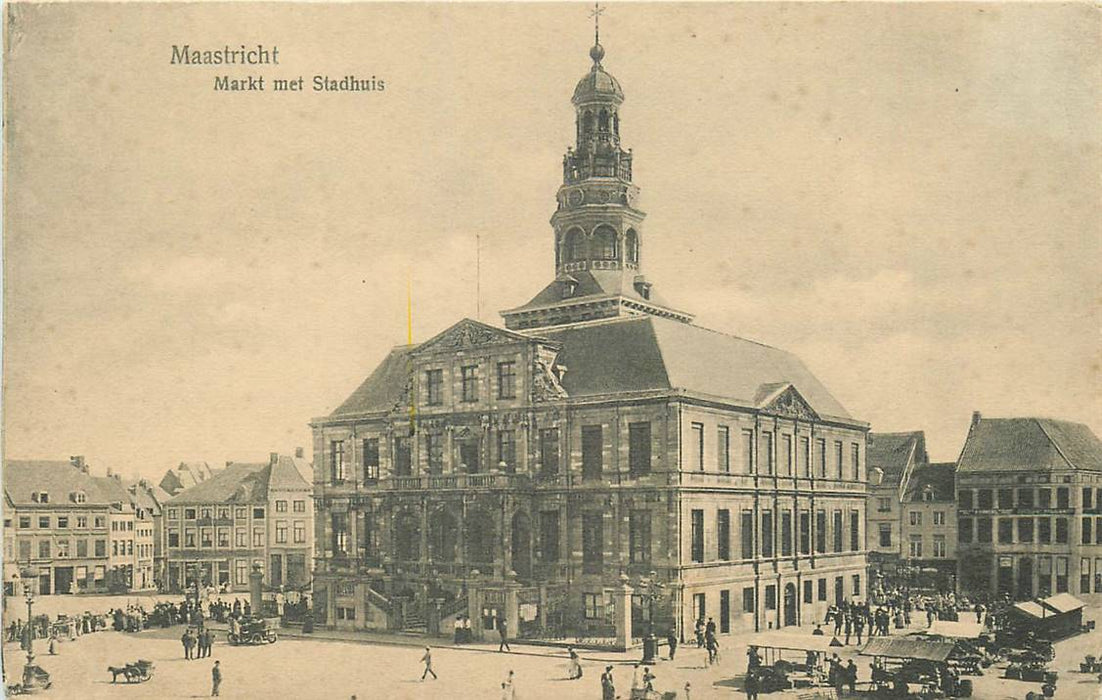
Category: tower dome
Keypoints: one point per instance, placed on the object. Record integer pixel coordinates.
(597, 85)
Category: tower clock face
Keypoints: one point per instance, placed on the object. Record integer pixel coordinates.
(575, 197)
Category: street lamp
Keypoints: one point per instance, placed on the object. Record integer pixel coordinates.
(32, 674)
(652, 592)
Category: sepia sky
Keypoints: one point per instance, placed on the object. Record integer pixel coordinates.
(906, 196)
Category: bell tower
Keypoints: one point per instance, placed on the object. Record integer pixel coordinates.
(597, 223)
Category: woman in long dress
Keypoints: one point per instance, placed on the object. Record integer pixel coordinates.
(575, 664)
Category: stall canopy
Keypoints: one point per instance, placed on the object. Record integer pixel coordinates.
(1058, 616)
(1032, 609)
(792, 642)
(957, 630)
(896, 648)
(1063, 603)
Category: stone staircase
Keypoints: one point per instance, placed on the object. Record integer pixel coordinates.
(413, 621)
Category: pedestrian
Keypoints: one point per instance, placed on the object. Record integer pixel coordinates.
(753, 686)
(713, 648)
(53, 644)
(575, 664)
(851, 677)
(710, 628)
(508, 690)
(699, 633)
(467, 634)
(859, 627)
(210, 642)
(636, 680)
(849, 627)
(671, 639)
(427, 660)
(503, 632)
(185, 639)
(215, 678)
(608, 688)
(458, 629)
(648, 680)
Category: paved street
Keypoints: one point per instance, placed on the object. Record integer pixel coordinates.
(296, 668)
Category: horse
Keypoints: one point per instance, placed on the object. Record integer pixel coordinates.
(127, 672)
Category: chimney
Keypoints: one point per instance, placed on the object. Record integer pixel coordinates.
(273, 458)
(976, 417)
(109, 472)
(78, 462)
(299, 453)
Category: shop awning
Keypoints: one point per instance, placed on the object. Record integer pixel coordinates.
(896, 648)
(792, 641)
(1032, 609)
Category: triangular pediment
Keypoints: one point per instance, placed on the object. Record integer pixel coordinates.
(785, 400)
(470, 334)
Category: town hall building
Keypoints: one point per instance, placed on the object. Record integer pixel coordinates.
(598, 464)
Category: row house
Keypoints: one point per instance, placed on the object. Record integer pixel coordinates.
(244, 515)
(1029, 497)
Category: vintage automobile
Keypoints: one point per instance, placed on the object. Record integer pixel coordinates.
(253, 631)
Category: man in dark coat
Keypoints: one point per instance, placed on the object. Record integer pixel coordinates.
(503, 632)
(671, 639)
(215, 679)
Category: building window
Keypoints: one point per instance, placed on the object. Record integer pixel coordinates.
(1006, 499)
(723, 534)
(434, 387)
(698, 536)
(281, 532)
(300, 532)
(240, 538)
(1006, 530)
(771, 597)
(258, 513)
(549, 535)
(469, 379)
(786, 454)
(1062, 498)
(767, 534)
(883, 505)
(855, 460)
(639, 448)
(205, 539)
(591, 602)
(986, 499)
(1088, 498)
(822, 589)
(809, 591)
(223, 537)
(939, 546)
(916, 518)
(767, 455)
(434, 452)
(821, 448)
(549, 451)
(63, 549)
(837, 531)
(44, 549)
(914, 547)
(786, 534)
(838, 458)
(746, 531)
(281, 506)
(62, 522)
(698, 446)
(189, 538)
(1087, 530)
(1084, 575)
(339, 527)
(300, 506)
(805, 532)
(1025, 529)
(821, 532)
(854, 530)
(939, 517)
(1061, 531)
(258, 537)
(964, 530)
(964, 498)
(507, 380)
(241, 572)
(1025, 498)
(1044, 499)
(336, 461)
(639, 536)
(82, 548)
(24, 522)
(44, 522)
(1061, 574)
(748, 599)
(885, 534)
(805, 457)
(592, 451)
(241, 513)
(507, 450)
(1044, 530)
(403, 458)
(723, 449)
(101, 548)
(593, 542)
(370, 461)
(747, 451)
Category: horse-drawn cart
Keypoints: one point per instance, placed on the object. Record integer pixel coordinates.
(137, 672)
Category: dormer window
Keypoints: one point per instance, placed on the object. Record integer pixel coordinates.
(79, 497)
(928, 493)
(569, 287)
(40, 497)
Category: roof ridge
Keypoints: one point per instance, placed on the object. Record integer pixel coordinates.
(1052, 441)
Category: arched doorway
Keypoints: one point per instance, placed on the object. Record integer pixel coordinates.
(443, 535)
(481, 538)
(790, 605)
(522, 544)
(407, 537)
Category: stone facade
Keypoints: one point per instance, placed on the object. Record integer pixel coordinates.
(599, 465)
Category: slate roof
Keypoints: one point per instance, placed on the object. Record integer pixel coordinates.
(892, 452)
(639, 353)
(940, 476)
(185, 475)
(113, 491)
(1009, 444)
(245, 482)
(592, 285)
(22, 477)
